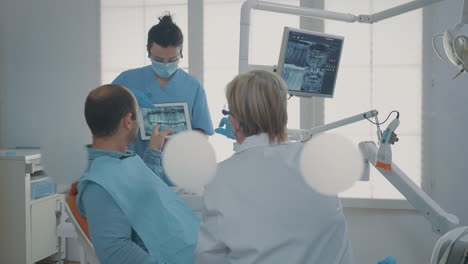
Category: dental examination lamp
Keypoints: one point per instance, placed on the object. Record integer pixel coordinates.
(455, 44)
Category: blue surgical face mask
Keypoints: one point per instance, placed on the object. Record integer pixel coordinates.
(164, 70)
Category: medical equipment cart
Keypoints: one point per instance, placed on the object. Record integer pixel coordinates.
(28, 224)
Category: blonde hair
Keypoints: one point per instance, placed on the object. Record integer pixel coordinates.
(258, 101)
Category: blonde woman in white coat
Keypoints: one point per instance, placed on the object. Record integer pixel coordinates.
(258, 209)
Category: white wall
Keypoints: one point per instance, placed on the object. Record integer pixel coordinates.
(2, 73)
(445, 152)
(378, 233)
(49, 62)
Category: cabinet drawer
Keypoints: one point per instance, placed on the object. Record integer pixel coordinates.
(44, 240)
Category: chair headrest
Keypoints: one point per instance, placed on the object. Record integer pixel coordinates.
(71, 201)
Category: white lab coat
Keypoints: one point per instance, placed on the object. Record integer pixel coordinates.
(258, 209)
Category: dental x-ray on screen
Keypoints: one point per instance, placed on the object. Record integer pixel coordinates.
(171, 115)
(309, 62)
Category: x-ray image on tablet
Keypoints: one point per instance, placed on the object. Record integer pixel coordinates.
(172, 115)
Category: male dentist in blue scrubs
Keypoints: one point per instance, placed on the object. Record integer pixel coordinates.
(164, 82)
(132, 215)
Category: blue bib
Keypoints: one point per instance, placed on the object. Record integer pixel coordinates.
(165, 224)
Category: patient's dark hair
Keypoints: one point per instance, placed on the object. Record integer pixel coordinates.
(166, 33)
(105, 106)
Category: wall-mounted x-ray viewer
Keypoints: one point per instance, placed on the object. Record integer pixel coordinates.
(170, 115)
(309, 62)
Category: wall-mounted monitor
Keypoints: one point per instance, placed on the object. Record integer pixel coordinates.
(309, 62)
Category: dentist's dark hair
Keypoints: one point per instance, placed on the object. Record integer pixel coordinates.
(166, 33)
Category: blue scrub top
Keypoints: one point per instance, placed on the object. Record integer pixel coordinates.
(181, 87)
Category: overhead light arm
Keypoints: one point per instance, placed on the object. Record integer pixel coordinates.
(398, 10)
(441, 221)
(315, 13)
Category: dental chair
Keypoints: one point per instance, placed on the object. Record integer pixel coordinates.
(81, 226)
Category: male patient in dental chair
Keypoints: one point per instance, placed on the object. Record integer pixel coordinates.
(130, 212)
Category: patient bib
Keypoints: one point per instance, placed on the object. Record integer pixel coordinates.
(166, 225)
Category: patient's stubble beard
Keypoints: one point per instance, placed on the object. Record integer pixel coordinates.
(132, 137)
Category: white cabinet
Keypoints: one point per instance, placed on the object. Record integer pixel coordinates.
(44, 226)
(27, 227)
